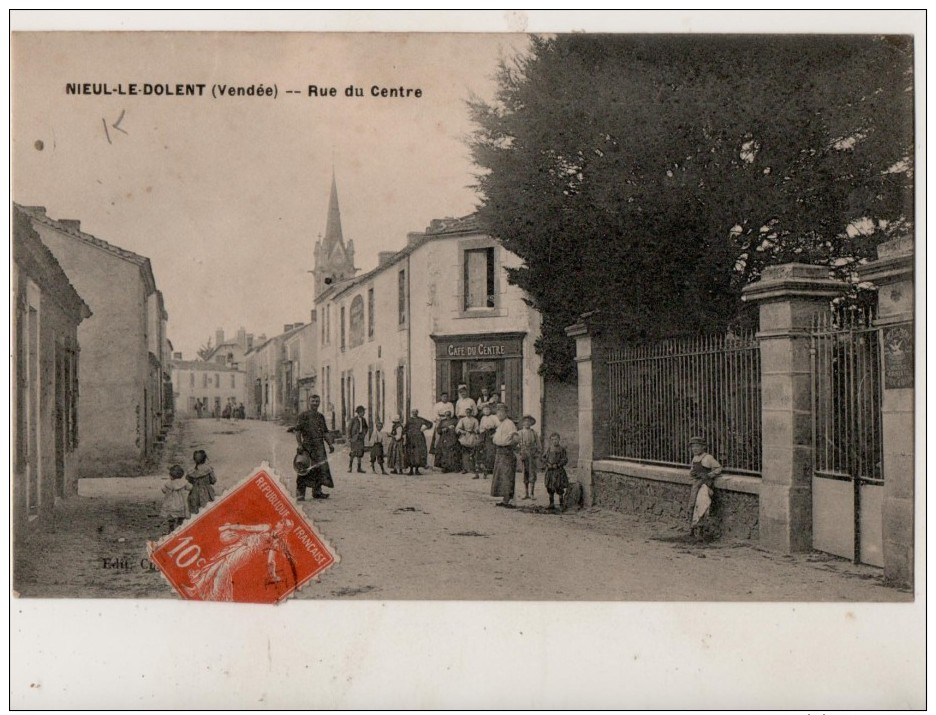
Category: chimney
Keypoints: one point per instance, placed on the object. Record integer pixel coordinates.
(261, 339)
(219, 337)
(72, 223)
(384, 257)
(412, 238)
(250, 341)
(176, 356)
(287, 327)
(242, 338)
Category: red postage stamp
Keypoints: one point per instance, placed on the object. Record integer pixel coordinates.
(252, 546)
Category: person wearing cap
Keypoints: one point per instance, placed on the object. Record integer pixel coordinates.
(395, 459)
(529, 448)
(464, 402)
(312, 435)
(703, 469)
(505, 439)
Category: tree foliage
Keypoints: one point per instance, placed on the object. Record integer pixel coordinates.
(649, 178)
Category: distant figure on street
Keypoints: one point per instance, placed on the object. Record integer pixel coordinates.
(438, 412)
(356, 436)
(703, 470)
(241, 411)
(557, 480)
(464, 402)
(395, 456)
(529, 445)
(486, 400)
(378, 447)
(416, 454)
(175, 507)
(312, 435)
(505, 441)
(488, 425)
(447, 455)
(202, 478)
(469, 439)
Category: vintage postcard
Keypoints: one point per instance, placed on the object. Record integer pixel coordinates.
(499, 317)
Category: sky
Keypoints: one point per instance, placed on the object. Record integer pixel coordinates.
(227, 196)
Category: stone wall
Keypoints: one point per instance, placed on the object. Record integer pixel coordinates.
(663, 492)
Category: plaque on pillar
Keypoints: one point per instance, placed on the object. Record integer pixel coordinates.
(898, 357)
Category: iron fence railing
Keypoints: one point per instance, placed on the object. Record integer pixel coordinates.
(846, 357)
(665, 392)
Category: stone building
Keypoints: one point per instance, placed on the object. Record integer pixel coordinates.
(436, 314)
(47, 313)
(231, 352)
(124, 369)
(203, 388)
(272, 377)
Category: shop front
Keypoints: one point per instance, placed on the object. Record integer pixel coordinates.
(493, 360)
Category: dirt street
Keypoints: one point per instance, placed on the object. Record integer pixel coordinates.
(434, 536)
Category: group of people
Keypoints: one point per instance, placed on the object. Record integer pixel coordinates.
(231, 411)
(186, 493)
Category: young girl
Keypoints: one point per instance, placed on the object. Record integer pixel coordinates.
(175, 506)
(395, 454)
(202, 479)
(557, 481)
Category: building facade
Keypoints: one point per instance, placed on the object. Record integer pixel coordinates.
(231, 352)
(47, 313)
(203, 388)
(273, 370)
(434, 315)
(124, 369)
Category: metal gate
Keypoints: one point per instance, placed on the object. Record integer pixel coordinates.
(848, 477)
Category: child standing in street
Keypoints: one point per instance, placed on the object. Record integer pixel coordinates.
(378, 447)
(175, 506)
(202, 478)
(529, 446)
(557, 481)
(395, 453)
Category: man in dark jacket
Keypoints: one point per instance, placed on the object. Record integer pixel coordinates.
(356, 439)
(312, 435)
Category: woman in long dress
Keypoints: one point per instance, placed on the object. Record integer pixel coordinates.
(447, 444)
(415, 451)
(395, 460)
(488, 425)
(505, 439)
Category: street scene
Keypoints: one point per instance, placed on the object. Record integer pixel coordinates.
(433, 536)
(535, 323)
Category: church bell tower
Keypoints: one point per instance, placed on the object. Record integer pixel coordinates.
(334, 259)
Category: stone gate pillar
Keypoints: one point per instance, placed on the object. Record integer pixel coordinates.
(594, 411)
(789, 297)
(892, 274)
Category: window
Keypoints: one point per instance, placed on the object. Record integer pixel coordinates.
(400, 393)
(233, 382)
(217, 380)
(479, 278)
(356, 318)
(191, 381)
(342, 328)
(204, 379)
(370, 312)
(401, 297)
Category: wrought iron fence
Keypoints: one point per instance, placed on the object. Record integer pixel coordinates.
(665, 392)
(846, 359)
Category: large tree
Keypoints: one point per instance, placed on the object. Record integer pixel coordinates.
(649, 178)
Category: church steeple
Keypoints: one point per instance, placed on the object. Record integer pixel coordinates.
(333, 234)
(334, 259)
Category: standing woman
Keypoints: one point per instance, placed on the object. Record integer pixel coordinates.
(487, 426)
(415, 452)
(505, 439)
(703, 469)
(447, 444)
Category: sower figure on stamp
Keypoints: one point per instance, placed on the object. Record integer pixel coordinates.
(703, 470)
(312, 435)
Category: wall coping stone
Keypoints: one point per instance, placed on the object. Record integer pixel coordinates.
(675, 475)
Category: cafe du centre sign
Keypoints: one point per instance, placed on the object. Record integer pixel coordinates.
(479, 347)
